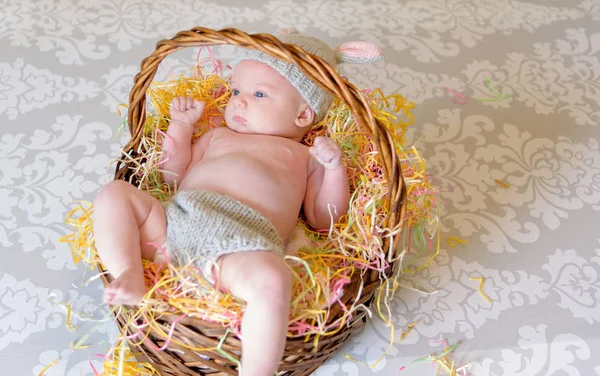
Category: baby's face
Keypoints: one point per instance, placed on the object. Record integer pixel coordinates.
(262, 101)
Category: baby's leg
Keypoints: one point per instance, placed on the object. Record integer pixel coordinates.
(263, 280)
(123, 218)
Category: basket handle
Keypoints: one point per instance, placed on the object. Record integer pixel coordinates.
(311, 65)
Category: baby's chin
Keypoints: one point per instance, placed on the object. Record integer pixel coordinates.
(240, 128)
(246, 128)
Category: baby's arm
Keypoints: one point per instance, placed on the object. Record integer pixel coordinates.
(177, 146)
(327, 187)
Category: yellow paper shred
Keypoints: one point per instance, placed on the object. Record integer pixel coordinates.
(48, 366)
(452, 241)
(408, 330)
(480, 288)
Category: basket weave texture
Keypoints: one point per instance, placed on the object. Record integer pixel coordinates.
(301, 356)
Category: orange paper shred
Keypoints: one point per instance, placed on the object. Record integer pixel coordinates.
(502, 183)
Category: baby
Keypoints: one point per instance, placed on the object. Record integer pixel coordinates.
(240, 189)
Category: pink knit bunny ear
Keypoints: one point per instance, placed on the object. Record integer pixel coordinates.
(288, 31)
(358, 52)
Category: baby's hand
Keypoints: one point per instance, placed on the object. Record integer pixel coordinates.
(327, 153)
(186, 110)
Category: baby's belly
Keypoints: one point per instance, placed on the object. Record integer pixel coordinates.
(275, 192)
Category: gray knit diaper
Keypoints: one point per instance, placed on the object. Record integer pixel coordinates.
(203, 225)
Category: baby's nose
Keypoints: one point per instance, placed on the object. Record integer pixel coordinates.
(240, 102)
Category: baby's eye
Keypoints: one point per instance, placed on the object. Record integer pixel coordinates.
(235, 91)
(259, 94)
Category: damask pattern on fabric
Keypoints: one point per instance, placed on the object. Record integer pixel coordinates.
(507, 118)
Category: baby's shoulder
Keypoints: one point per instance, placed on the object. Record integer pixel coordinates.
(297, 147)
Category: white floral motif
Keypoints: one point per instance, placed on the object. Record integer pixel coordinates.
(118, 84)
(50, 24)
(24, 87)
(328, 368)
(215, 15)
(545, 173)
(548, 81)
(592, 8)
(416, 86)
(577, 282)
(41, 190)
(457, 306)
(559, 79)
(548, 177)
(57, 21)
(537, 356)
(128, 23)
(404, 22)
(50, 175)
(24, 310)
(87, 332)
(64, 366)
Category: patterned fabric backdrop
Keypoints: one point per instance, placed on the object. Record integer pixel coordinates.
(529, 75)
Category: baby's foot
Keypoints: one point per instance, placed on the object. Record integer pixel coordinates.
(186, 111)
(128, 288)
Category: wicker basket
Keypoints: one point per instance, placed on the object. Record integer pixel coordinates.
(300, 357)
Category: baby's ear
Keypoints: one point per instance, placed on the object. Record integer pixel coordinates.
(305, 117)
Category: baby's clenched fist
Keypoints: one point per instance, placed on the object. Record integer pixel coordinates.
(186, 110)
(327, 152)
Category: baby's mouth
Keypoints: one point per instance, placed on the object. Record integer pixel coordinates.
(239, 119)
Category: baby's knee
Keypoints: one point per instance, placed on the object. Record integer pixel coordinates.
(110, 192)
(273, 282)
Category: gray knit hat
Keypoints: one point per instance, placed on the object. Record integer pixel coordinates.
(318, 99)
